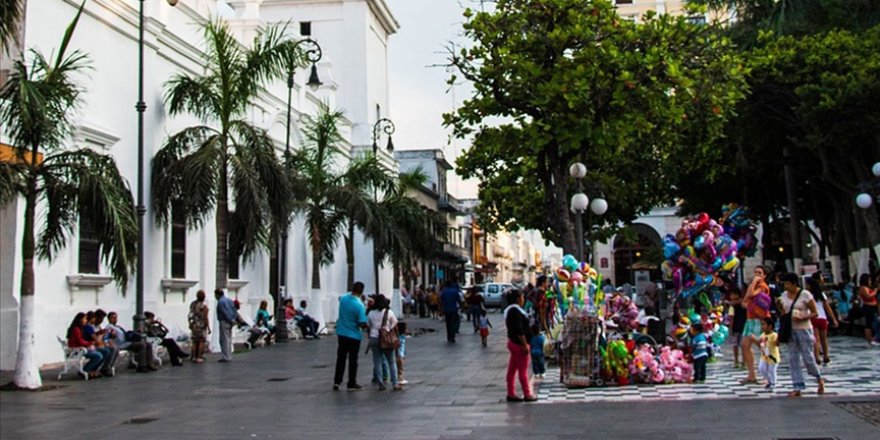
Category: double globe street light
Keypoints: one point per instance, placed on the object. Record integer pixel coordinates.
(865, 199)
(579, 204)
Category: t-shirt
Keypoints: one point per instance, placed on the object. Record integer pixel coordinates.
(699, 344)
(537, 344)
(450, 298)
(759, 304)
(484, 322)
(800, 309)
(352, 314)
(769, 348)
(374, 320)
(517, 324)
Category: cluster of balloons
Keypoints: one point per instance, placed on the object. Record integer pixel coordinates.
(622, 313)
(698, 255)
(576, 285)
(740, 228)
(669, 366)
(615, 360)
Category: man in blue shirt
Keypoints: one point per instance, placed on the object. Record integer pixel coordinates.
(450, 299)
(228, 316)
(352, 318)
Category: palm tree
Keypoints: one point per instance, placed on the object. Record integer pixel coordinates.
(37, 107)
(194, 170)
(329, 195)
(11, 12)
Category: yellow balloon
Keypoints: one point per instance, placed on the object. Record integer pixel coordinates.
(731, 264)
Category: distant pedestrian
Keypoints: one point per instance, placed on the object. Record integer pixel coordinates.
(199, 327)
(800, 304)
(382, 318)
(421, 301)
(770, 358)
(518, 335)
(434, 303)
(537, 350)
(484, 327)
(738, 324)
(401, 352)
(450, 298)
(868, 296)
(227, 316)
(820, 322)
(351, 319)
(475, 302)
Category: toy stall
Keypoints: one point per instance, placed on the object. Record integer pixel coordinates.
(599, 340)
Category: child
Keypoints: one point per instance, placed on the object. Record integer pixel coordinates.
(484, 326)
(769, 353)
(699, 344)
(537, 345)
(401, 352)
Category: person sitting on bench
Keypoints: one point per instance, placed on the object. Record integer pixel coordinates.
(306, 323)
(157, 330)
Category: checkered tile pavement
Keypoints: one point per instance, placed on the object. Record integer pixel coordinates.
(854, 371)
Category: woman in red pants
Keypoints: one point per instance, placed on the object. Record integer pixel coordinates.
(518, 336)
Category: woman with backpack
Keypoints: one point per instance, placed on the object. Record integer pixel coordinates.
(757, 303)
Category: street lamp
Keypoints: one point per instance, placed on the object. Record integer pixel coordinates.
(313, 54)
(387, 126)
(579, 204)
(141, 107)
(865, 199)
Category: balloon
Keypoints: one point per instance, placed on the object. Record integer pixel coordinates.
(730, 265)
(577, 277)
(570, 262)
(700, 242)
(562, 275)
(584, 267)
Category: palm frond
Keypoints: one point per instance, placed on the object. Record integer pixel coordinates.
(267, 59)
(11, 12)
(185, 173)
(12, 178)
(90, 183)
(194, 95)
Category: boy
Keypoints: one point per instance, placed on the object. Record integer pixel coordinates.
(537, 351)
(699, 344)
(769, 353)
(401, 352)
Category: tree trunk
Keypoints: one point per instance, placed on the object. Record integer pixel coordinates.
(872, 228)
(221, 221)
(316, 267)
(561, 222)
(27, 373)
(376, 268)
(349, 254)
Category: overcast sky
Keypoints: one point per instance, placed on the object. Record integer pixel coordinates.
(418, 90)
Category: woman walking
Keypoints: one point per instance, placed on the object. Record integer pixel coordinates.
(757, 304)
(518, 336)
(381, 317)
(820, 322)
(199, 327)
(868, 296)
(800, 304)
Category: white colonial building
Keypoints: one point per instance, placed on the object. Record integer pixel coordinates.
(354, 35)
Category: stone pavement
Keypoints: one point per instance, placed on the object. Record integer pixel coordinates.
(455, 392)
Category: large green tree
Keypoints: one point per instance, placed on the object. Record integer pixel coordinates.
(197, 167)
(557, 81)
(72, 186)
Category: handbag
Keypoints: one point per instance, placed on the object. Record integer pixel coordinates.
(388, 339)
(785, 322)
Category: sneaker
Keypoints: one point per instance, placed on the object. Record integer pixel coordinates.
(335, 387)
(514, 399)
(403, 382)
(354, 387)
(397, 388)
(530, 399)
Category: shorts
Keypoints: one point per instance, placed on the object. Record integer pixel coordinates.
(752, 328)
(870, 313)
(737, 339)
(819, 323)
(484, 332)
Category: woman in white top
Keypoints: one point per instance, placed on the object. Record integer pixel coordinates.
(800, 347)
(377, 313)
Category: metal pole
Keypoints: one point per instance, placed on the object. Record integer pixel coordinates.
(280, 318)
(141, 208)
(579, 231)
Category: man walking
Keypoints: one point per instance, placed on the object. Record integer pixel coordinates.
(228, 316)
(450, 299)
(352, 318)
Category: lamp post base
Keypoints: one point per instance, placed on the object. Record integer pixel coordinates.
(281, 335)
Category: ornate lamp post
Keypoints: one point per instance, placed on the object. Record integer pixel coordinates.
(387, 126)
(579, 204)
(141, 208)
(313, 54)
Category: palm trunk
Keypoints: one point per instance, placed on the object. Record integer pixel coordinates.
(376, 268)
(316, 267)
(349, 254)
(27, 374)
(221, 221)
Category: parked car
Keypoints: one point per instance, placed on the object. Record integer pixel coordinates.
(494, 293)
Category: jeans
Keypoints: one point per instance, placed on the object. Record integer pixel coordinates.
(109, 359)
(382, 360)
(475, 316)
(538, 364)
(801, 348)
(768, 371)
(95, 360)
(225, 340)
(452, 320)
(700, 368)
(517, 367)
(347, 348)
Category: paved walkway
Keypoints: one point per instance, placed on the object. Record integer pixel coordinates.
(455, 392)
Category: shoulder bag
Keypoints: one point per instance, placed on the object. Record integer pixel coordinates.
(388, 339)
(785, 322)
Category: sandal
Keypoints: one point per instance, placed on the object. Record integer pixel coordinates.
(794, 393)
(748, 381)
(821, 389)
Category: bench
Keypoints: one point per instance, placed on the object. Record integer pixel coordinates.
(158, 349)
(73, 357)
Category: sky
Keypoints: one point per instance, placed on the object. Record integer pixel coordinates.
(419, 94)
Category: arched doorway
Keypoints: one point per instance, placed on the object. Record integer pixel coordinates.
(637, 251)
